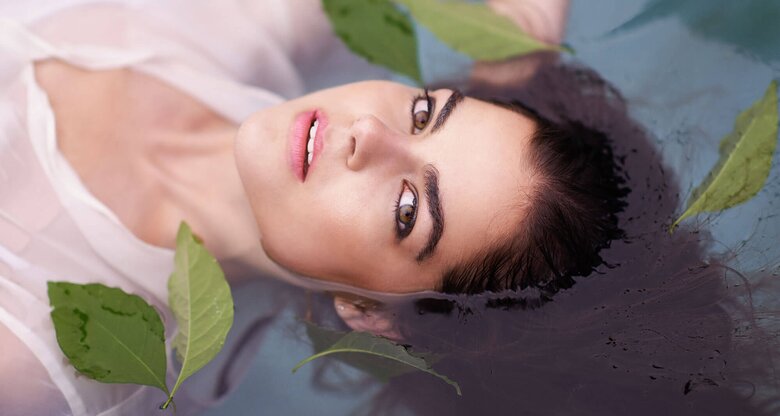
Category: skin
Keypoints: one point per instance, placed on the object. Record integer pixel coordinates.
(339, 224)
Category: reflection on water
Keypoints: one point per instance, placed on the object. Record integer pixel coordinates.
(750, 25)
(681, 324)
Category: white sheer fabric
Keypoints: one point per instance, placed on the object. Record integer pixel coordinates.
(235, 56)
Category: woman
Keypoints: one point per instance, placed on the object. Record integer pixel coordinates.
(120, 121)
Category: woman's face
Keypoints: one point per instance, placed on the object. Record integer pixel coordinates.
(400, 186)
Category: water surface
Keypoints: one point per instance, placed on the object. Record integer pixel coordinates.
(680, 324)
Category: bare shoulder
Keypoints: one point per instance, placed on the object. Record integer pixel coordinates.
(82, 108)
(152, 154)
(111, 126)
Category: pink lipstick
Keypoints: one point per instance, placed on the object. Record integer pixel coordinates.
(305, 142)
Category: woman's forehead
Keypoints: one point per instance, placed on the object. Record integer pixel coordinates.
(485, 175)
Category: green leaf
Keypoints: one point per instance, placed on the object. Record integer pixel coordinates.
(474, 29)
(200, 299)
(376, 355)
(745, 160)
(109, 335)
(377, 31)
(380, 368)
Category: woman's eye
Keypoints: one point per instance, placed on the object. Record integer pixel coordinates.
(421, 112)
(406, 211)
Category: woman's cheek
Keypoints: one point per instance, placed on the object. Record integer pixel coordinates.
(288, 248)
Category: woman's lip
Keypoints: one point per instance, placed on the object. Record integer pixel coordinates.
(299, 135)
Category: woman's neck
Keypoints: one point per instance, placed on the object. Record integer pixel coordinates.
(155, 156)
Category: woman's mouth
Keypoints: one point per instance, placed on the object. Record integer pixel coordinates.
(306, 142)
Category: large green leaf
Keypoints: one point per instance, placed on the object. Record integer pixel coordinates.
(376, 355)
(745, 160)
(109, 335)
(474, 29)
(200, 299)
(377, 31)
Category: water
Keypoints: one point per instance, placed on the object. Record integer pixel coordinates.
(682, 324)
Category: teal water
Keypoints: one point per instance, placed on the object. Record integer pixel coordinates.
(686, 69)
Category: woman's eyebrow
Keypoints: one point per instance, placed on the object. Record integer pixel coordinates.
(444, 114)
(434, 208)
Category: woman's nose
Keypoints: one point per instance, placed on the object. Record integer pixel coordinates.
(376, 144)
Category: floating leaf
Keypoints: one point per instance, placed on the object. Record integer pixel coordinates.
(109, 335)
(380, 368)
(200, 299)
(474, 29)
(377, 31)
(745, 160)
(322, 338)
(376, 355)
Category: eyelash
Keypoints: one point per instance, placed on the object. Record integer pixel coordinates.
(424, 96)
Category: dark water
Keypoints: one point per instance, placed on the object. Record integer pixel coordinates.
(685, 323)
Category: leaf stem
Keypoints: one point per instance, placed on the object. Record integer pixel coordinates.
(168, 403)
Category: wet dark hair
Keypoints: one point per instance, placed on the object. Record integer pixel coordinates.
(572, 214)
(665, 328)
